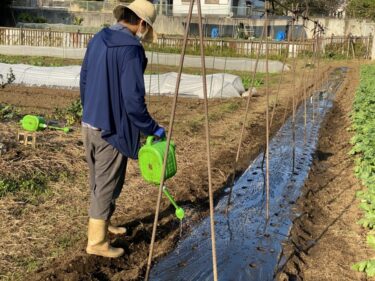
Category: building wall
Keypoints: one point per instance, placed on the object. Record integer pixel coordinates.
(175, 24)
(341, 27)
(211, 7)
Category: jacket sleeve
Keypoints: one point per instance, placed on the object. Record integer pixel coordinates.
(83, 76)
(133, 94)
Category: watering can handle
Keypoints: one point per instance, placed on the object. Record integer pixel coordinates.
(150, 140)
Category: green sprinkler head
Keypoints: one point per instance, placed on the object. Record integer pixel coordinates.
(180, 214)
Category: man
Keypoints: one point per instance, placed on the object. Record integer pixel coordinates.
(114, 113)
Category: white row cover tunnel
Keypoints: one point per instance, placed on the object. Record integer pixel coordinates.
(218, 85)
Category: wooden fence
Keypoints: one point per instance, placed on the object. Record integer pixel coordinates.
(236, 47)
(345, 46)
(43, 38)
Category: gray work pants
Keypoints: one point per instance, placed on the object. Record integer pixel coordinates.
(107, 167)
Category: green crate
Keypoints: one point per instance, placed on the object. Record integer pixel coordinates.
(151, 157)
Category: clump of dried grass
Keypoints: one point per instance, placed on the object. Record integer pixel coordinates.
(38, 226)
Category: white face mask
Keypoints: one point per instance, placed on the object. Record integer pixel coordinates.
(139, 34)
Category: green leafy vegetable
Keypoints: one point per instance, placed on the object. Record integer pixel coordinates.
(363, 142)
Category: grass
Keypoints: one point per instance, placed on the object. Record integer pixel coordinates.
(34, 184)
(29, 263)
(66, 240)
(230, 107)
(194, 125)
(210, 51)
(39, 61)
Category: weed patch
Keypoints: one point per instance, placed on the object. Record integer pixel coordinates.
(8, 112)
(194, 126)
(230, 107)
(34, 184)
(72, 114)
(8, 79)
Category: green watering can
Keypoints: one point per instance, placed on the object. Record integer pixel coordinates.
(32, 123)
(150, 159)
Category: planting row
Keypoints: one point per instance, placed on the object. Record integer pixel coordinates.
(363, 117)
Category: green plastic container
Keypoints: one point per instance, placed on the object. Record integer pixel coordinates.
(150, 158)
(33, 123)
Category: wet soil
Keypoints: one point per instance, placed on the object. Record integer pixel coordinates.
(325, 239)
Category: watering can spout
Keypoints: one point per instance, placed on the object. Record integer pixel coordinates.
(180, 213)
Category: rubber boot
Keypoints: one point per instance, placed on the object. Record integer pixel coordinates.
(116, 229)
(98, 243)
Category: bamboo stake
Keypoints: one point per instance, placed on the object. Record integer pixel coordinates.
(294, 102)
(171, 123)
(210, 192)
(267, 121)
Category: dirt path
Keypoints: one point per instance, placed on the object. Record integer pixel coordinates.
(325, 239)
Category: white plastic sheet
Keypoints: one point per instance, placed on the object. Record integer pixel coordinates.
(63, 77)
(218, 85)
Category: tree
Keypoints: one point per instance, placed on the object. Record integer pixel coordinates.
(364, 9)
(313, 7)
(4, 11)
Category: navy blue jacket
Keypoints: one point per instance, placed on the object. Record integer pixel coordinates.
(113, 92)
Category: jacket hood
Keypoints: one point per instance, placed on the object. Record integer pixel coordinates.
(115, 38)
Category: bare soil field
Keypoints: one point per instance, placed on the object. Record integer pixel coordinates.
(43, 234)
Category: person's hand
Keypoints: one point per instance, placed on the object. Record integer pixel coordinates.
(160, 133)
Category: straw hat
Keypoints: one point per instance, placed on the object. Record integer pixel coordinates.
(145, 10)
